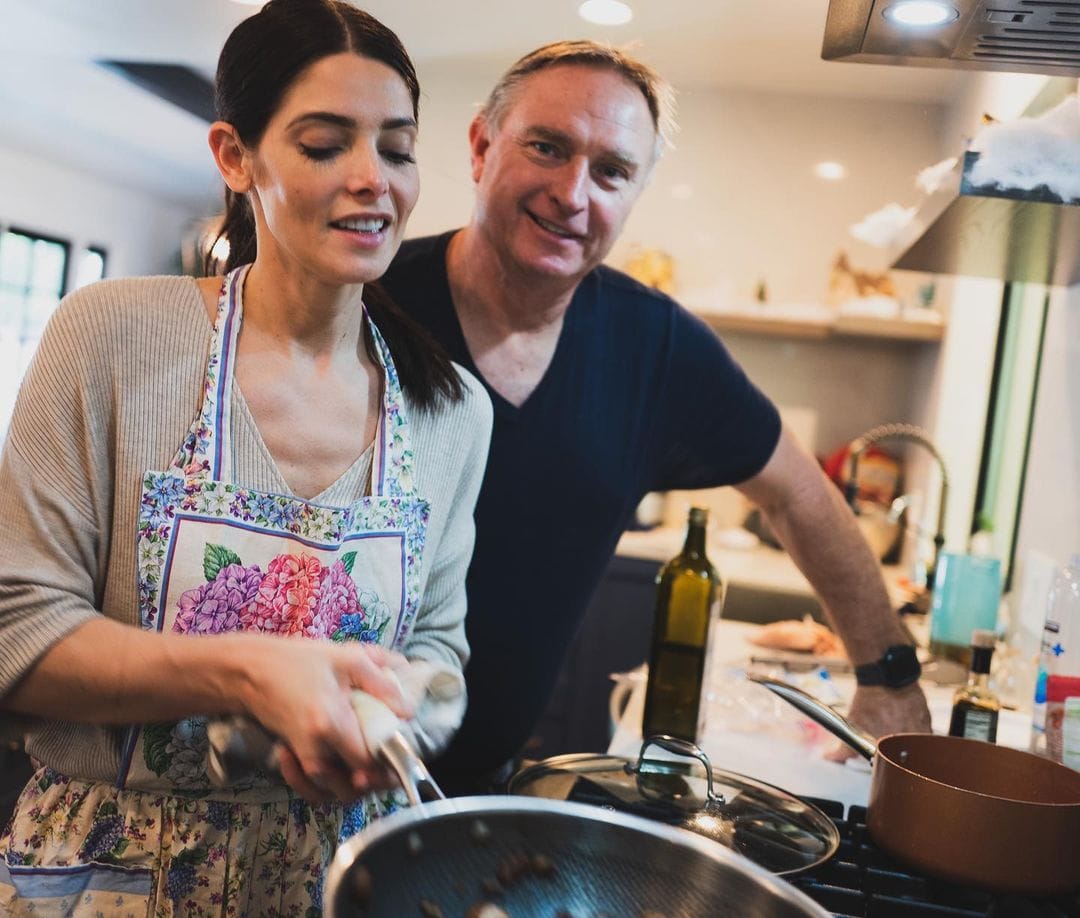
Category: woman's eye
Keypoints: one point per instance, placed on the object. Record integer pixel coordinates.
(398, 157)
(319, 154)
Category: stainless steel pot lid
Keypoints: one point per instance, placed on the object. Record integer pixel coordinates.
(771, 827)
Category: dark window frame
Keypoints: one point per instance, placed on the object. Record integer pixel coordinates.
(35, 236)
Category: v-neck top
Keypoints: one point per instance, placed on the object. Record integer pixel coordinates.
(259, 462)
(639, 396)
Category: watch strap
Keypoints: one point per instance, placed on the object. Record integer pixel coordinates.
(897, 668)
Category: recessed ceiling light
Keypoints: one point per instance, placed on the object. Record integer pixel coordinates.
(920, 12)
(605, 12)
(830, 171)
(250, 2)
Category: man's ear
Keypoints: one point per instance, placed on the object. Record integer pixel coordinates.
(231, 156)
(478, 145)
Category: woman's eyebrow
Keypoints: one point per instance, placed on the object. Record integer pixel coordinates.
(344, 121)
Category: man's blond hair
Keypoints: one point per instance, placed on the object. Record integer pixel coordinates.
(658, 93)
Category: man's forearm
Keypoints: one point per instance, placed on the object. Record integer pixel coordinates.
(820, 534)
(809, 516)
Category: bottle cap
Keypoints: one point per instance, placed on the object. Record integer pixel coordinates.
(699, 515)
(983, 638)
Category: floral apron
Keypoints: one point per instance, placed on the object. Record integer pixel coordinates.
(215, 557)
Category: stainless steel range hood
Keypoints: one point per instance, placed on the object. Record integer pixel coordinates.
(1020, 36)
(1009, 234)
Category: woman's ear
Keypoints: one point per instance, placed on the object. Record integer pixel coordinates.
(231, 156)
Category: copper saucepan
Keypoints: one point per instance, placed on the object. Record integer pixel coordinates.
(963, 810)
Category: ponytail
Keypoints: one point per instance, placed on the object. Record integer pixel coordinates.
(238, 230)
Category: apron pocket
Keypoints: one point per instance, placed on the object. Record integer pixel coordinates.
(81, 889)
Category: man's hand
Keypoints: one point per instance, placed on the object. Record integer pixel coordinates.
(881, 711)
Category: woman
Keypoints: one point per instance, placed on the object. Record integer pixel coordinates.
(228, 463)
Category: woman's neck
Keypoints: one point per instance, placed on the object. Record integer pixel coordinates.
(300, 312)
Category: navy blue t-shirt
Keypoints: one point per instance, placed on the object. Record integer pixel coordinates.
(640, 396)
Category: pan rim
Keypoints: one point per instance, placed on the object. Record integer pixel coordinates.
(349, 850)
(1008, 750)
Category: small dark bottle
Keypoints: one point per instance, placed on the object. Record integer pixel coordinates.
(975, 707)
(688, 598)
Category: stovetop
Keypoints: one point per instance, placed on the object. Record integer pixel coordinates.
(861, 881)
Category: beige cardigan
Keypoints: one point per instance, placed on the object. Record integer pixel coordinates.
(111, 392)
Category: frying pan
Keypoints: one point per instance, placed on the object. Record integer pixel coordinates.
(964, 810)
(533, 856)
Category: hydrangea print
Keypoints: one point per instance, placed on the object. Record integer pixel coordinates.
(105, 834)
(186, 754)
(337, 599)
(376, 615)
(288, 597)
(218, 813)
(181, 881)
(220, 605)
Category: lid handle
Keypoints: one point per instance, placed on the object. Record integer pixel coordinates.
(680, 747)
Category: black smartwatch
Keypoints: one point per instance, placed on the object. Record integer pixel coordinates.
(899, 667)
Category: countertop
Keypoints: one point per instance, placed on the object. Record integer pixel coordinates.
(751, 732)
(760, 567)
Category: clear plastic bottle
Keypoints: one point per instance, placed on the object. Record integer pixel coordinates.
(1055, 729)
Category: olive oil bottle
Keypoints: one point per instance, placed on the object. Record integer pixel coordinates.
(975, 707)
(689, 595)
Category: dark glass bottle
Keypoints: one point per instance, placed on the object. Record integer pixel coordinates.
(975, 707)
(689, 593)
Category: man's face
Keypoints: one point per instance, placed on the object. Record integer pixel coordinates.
(557, 178)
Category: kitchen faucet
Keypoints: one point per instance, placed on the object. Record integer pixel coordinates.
(911, 434)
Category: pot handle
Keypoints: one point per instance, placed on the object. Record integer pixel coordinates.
(859, 740)
(680, 747)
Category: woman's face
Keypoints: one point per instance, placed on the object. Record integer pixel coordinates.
(334, 177)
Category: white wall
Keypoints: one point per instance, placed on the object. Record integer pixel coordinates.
(141, 232)
(736, 200)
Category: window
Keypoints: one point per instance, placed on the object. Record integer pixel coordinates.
(34, 272)
(90, 267)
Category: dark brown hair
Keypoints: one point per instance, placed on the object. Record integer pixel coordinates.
(261, 59)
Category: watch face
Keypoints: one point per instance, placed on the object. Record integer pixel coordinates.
(901, 665)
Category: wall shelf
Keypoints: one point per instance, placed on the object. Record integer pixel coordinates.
(819, 325)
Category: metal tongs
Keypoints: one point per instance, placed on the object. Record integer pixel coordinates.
(241, 747)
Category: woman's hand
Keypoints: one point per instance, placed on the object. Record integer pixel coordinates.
(300, 690)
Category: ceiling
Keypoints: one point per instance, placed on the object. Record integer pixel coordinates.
(59, 105)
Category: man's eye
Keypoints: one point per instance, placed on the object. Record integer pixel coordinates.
(614, 173)
(319, 154)
(544, 148)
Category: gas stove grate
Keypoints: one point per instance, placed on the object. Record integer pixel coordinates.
(862, 882)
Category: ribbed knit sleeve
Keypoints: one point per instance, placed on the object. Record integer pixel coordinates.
(56, 481)
(454, 455)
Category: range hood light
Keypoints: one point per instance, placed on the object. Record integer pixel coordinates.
(605, 12)
(920, 13)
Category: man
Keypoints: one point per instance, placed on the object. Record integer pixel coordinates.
(603, 391)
